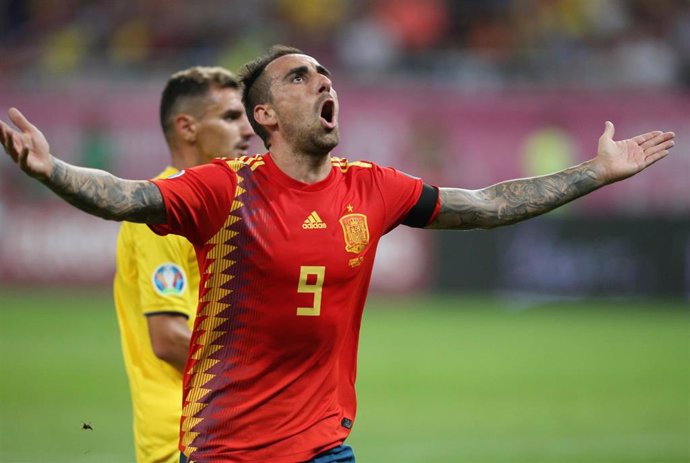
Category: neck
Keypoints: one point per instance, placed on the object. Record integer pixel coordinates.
(181, 158)
(303, 167)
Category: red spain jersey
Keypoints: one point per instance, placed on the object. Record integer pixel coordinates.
(285, 269)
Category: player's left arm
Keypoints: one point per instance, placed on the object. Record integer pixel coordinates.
(516, 200)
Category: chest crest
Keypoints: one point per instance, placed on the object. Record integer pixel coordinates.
(355, 232)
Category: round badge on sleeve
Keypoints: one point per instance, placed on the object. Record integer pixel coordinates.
(177, 174)
(169, 280)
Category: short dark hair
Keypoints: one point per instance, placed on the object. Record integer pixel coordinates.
(192, 82)
(255, 89)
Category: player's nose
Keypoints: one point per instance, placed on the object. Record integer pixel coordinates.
(325, 84)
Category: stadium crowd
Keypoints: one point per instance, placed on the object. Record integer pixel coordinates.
(490, 43)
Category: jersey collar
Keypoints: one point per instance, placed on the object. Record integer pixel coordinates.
(276, 175)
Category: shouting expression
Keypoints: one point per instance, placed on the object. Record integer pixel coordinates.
(303, 108)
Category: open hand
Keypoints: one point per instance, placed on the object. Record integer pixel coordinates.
(624, 158)
(27, 146)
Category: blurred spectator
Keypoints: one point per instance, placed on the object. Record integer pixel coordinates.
(418, 24)
(130, 43)
(680, 39)
(318, 16)
(644, 60)
(366, 45)
(64, 50)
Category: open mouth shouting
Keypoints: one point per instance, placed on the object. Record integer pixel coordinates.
(328, 114)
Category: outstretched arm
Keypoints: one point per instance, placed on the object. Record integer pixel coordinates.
(515, 200)
(93, 191)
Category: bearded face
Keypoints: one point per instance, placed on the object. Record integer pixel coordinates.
(305, 104)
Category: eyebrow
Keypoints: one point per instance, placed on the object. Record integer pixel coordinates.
(305, 69)
(322, 70)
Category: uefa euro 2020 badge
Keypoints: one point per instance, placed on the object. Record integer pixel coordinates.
(169, 280)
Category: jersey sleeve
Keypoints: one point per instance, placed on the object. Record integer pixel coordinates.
(406, 199)
(165, 276)
(197, 201)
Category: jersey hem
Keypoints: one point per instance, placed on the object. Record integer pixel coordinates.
(166, 312)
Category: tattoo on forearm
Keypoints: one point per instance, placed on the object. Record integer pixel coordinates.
(512, 201)
(104, 195)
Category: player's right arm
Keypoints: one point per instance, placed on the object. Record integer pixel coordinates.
(170, 338)
(94, 191)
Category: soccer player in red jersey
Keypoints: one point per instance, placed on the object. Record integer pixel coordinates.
(285, 243)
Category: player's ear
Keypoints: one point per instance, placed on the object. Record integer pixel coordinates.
(265, 115)
(185, 127)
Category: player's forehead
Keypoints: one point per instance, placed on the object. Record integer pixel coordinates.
(230, 95)
(284, 64)
(220, 99)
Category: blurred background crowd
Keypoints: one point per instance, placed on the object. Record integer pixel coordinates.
(479, 43)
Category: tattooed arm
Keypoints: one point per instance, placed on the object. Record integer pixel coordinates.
(104, 195)
(512, 201)
(93, 191)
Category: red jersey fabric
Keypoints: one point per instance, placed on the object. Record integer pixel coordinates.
(285, 269)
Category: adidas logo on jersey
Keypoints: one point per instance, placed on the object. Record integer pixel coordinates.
(313, 222)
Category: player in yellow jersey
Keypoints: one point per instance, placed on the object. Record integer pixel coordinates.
(157, 278)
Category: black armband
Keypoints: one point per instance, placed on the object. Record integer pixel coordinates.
(419, 215)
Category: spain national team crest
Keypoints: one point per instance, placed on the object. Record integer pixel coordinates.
(355, 232)
(169, 280)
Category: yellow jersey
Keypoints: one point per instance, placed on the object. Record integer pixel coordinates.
(154, 274)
